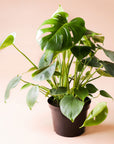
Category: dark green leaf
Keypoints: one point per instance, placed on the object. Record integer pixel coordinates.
(71, 107)
(82, 93)
(46, 59)
(46, 74)
(26, 85)
(80, 51)
(12, 84)
(105, 94)
(109, 54)
(97, 115)
(56, 73)
(91, 88)
(32, 96)
(103, 73)
(9, 40)
(109, 67)
(58, 91)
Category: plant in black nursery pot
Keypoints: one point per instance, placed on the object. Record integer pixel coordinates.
(70, 92)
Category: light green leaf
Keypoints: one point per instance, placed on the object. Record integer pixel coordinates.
(32, 96)
(103, 73)
(109, 54)
(71, 107)
(97, 115)
(26, 85)
(45, 74)
(105, 94)
(9, 40)
(58, 91)
(32, 69)
(109, 67)
(80, 51)
(91, 88)
(82, 93)
(12, 84)
(98, 38)
(46, 59)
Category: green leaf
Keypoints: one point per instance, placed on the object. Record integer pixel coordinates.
(56, 73)
(97, 115)
(80, 51)
(32, 96)
(46, 59)
(82, 93)
(91, 88)
(103, 73)
(45, 74)
(58, 91)
(71, 107)
(109, 67)
(98, 39)
(105, 94)
(109, 54)
(12, 84)
(26, 85)
(32, 69)
(60, 35)
(93, 62)
(9, 40)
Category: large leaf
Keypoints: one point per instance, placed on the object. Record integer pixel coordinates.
(71, 107)
(45, 74)
(82, 93)
(12, 84)
(9, 40)
(46, 59)
(80, 51)
(91, 88)
(32, 96)
(105, 94)
(60, 35)
(109, 54)
(109, 67)
(58, 91)
(97, 115)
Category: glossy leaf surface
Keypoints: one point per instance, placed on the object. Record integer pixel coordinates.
(91, 88)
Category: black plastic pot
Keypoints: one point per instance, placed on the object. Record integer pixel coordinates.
(62, 125)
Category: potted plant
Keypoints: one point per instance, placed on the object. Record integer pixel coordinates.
(67, 45)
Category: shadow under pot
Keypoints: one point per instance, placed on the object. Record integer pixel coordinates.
(62, 125)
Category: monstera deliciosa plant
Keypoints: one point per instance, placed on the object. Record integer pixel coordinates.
(65, 45)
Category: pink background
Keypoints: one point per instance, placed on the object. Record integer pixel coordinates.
(17, 123)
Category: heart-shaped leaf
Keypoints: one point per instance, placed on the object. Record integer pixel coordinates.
(109, 67)
(9, 40)
(80, 51)
(45, 74)
(46, 59)
(12, 84)
(58, 91)
(97, 115)
(91, 88)
(71, 107)
(109, 54)
(32, 96)
(105, 94)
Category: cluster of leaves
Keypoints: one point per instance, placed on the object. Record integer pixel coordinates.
(65, 44)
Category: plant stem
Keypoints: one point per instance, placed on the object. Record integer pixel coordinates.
(25, 56)
(94, 78)
(75, 74)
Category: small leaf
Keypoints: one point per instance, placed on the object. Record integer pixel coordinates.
(109, 67)
(103, 73)
(56, 73)
(82, 93)
(32, 96)
(98, 39)
(71, 107)
(58, 91)
(91, 88)
(80, 51)
(105, 94)
(97, 115)
(46, 59)
(9, 40)
(109, 54)
(26, 85)
(12, 84)
(46, 74)
(32, 69)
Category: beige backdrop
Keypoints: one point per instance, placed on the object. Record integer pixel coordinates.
(17, 123)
